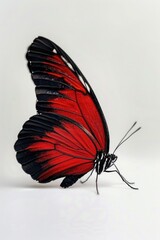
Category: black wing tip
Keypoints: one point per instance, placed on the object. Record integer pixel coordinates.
(44, 41)
(40, 45)
(41, 42)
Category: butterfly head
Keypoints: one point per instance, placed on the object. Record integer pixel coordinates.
(104, 161)
(110, 160)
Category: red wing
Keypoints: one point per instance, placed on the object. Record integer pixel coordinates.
(51, 146)
(61, 88)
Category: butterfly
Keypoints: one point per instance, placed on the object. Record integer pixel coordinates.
(69, 136)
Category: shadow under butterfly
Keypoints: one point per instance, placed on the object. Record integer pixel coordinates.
(69, 136)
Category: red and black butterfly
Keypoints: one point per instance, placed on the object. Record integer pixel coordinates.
(69, 135)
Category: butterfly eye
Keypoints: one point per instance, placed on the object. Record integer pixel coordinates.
(114, 160)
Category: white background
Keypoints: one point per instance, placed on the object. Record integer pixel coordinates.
(116, 43)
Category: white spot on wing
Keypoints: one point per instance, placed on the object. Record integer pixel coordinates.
(84, 83)
(81, 79)
(70, 66)
(87, 86)
(79, 76)
(64, 59)
(54, 50)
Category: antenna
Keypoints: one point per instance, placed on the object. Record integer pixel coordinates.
(125, 138)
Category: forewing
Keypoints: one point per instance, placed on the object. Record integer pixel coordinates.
(61, 88)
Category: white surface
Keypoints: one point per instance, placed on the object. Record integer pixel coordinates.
(117, 46)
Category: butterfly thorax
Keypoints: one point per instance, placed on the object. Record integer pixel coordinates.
(104, 161)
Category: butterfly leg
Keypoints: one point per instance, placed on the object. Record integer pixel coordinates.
(123, 179)
(70, 180)
(97, 184)
(88, 176)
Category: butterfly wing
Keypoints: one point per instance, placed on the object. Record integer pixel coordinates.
(70, 128)
(51, 146)
(61, 88)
